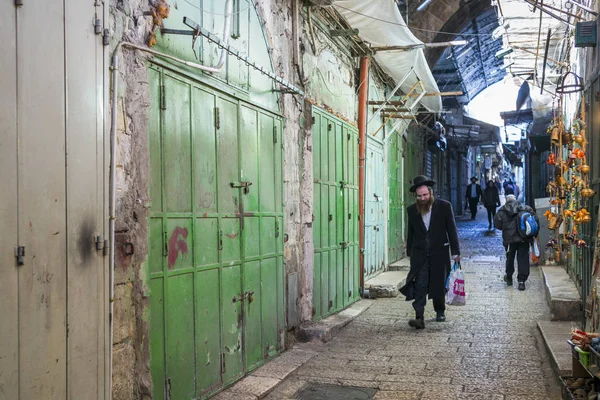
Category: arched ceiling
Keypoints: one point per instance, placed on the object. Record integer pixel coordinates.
(473, 67)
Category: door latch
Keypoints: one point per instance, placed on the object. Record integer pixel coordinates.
(344, 245)
(246, 295)
(20, 255)
(243, 184)
(343, 184)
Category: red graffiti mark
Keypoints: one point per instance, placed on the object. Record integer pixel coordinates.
(177, 245)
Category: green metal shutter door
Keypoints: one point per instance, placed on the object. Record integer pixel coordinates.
(335, 229)
(214, 238)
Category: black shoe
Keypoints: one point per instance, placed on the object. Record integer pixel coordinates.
(418, 323)
(509, 281)
(490, 228)
(521, 285)
(440, 317)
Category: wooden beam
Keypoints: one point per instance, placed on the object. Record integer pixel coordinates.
(400, 103)
(398, 116)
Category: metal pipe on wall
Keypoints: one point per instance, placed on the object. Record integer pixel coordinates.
(111, 212)
(363, 91)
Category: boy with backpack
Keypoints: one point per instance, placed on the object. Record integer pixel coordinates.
(519, 226)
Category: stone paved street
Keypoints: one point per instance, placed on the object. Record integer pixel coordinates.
(488, 349)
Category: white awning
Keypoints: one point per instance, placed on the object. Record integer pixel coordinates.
(380, 23)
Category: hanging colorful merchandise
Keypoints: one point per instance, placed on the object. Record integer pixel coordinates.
(569, 190)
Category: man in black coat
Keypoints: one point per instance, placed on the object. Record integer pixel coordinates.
(473, 195)
(432, 235)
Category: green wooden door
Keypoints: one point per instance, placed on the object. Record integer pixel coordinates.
(335, 202)
(215, 250)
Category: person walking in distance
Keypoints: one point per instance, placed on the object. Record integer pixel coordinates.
(431, 238)
(491, 201)
(507, 220)
(473, 195)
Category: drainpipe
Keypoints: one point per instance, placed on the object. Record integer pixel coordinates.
(363, 92)
(111, 211)
(113, 152)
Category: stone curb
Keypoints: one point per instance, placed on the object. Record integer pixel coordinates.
(327, 328)
(266, 378)
(555, 335)
(562, 295)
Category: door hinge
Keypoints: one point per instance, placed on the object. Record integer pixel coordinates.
(106, 37)
(166, 246)
(329, 126)
(99, 243)
(349, 136)
(220, 240)
(358, 140)
(20, 255)
(163, 98)
(217, 118)
(276, 228)
(18, 3)
(97, 26)
(275, 134)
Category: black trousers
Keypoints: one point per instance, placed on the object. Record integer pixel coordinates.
(521, 249)
(473, 201)
(491, 212)
(421, 291)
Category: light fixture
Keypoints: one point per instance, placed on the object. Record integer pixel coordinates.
(423, 5)
(504, 52)
(500, 30)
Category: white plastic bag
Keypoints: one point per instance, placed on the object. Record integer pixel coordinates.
(455, 287)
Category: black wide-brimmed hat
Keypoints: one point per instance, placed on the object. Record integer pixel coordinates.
(421, 180)
(473, 177)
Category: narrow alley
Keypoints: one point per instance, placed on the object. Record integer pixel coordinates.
(488, 349)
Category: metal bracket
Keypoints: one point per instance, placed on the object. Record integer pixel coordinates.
(18, 3)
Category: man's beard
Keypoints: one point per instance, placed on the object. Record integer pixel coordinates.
(423, 206)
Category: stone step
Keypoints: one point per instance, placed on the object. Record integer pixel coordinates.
(400, 265)
(555, 335)
(562, 295)
(326, 329)
(385, 284)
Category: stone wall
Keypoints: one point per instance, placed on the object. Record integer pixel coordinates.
(131, 357)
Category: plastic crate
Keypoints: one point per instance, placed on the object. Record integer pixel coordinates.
(582, 356)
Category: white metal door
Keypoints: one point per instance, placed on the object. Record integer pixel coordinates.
(374, 209)
(52, 278)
